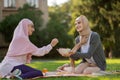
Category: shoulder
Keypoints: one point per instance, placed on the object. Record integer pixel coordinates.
(95, 36)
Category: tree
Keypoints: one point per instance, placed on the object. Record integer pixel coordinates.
(8, 25)
(58, 27)
(113, 18)
(104, 18)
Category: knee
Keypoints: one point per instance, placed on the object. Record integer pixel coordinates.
(86, 71)
(78, 71)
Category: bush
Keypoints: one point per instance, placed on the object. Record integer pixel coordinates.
(55, 29)
(10, 22)
(8, 25)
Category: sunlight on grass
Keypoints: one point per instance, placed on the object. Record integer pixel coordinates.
(110, 61)
(112, 64)
(51, 65)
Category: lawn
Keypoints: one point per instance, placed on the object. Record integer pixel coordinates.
(51, 65)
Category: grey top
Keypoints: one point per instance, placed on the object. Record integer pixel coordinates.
(95, 51)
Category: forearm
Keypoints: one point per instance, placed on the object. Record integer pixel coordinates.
(72, 62)
(75, 56)
(42, 51)
(75, 48)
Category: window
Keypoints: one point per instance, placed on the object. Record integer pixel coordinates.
(9, 3)
(33, 3)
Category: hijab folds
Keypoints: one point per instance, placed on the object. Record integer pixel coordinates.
(20, 44)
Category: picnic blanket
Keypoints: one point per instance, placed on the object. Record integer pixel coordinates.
(65, 74)
(57, 74)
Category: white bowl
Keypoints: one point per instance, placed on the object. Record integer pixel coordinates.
(63, 50)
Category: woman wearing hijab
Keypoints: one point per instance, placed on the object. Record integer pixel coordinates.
(88, 47)
(21, 50)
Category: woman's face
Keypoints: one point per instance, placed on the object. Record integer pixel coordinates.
(78, 25)
(30, 29)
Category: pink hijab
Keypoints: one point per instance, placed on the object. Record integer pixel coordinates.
(20, 44)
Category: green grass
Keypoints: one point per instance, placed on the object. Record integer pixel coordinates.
(51, 65)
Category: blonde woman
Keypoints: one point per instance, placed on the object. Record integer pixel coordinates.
(88, 47)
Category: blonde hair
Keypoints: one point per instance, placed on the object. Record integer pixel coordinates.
(86, 29)
(84, 20)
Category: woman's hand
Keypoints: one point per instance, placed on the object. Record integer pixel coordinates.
(54, 42)
(84, 40)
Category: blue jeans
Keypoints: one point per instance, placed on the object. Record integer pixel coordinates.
(28, 72)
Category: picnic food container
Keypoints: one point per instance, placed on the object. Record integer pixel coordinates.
(63, 51)
(44, 70)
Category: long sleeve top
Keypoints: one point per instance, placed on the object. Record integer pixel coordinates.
(9, 63)
(95, 51)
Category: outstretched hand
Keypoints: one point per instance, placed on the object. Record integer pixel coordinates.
(54, 42)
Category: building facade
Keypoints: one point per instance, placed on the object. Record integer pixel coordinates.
(8, 7)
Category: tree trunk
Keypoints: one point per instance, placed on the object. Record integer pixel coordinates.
(110, 53)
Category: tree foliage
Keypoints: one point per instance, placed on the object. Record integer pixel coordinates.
(8, 25)
(104, 17)
(58, 27)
